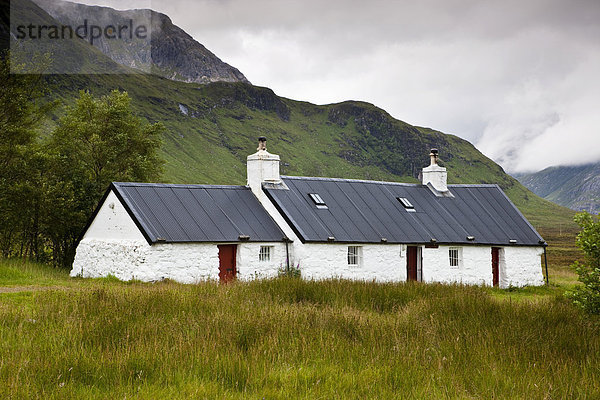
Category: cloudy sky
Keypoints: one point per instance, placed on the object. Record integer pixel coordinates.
(518, 78)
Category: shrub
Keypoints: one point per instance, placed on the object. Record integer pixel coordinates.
(588, 240)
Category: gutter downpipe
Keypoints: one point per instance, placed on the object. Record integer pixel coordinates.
(287, 257)
(546, 264)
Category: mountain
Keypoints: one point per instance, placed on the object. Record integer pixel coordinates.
(211, 128)
(170, 53)
(70, 56)
(575, 187)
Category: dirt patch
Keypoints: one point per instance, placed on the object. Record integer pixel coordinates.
(16, 289)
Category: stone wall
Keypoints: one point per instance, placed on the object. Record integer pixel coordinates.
(379, 262)
(523, 266)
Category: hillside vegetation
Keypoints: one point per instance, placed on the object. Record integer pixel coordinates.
(212, 128)
(288, 338)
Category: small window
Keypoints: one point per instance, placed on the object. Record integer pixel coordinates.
(406, 204)
(318, 200)
(265, 253)
(354, 255)
(454, 256)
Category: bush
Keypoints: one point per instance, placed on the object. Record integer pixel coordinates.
(588, 240)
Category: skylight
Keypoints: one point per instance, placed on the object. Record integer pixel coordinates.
(318, 200)
(406, 203)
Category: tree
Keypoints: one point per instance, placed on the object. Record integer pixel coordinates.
(49, 189)
(104, 141)
(96, 142)
(22, 108)
(588, 240)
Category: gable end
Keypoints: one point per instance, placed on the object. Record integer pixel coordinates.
(101, 204)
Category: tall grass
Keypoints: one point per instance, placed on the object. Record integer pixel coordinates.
(287, 338)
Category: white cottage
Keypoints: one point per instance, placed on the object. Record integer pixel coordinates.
(187, 233)
(328, 228)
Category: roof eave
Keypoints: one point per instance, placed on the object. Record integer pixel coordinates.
(387, 243)
(132, 215)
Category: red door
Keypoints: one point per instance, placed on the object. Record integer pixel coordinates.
(411, 263)
(227, 269)
(495, 266)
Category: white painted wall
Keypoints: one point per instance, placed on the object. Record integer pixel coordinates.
(182, 262)
(519, 266)
(129, 259)
(523, 266)
(113, 222)
(475, 265)
(113, 245)
(323, 260)
(249, 265)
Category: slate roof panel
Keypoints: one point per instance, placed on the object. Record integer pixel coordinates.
(366, 211)
(197, 213)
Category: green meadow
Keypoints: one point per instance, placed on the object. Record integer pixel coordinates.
(287, 338)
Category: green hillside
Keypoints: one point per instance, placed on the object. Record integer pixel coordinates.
(212, 128)
(346, 140)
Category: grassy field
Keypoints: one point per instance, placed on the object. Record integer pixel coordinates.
(286, 338)
(562, 253)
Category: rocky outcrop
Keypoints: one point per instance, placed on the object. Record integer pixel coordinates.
(169, 51)
(177, 56)
(395, 145)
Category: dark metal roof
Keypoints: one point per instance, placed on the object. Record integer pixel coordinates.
(369, 211)
(196, 213)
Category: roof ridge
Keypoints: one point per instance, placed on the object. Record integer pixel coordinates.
(179, 185)
(312, 178)
(470, 185)
(316, 178)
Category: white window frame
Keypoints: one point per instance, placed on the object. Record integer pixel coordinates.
(455, 257)
(405, 202)
(408, 206)
(354, 256)
(318, 200)
(265, 253)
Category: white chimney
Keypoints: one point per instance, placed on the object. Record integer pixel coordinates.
(262, 167)
(434, 174)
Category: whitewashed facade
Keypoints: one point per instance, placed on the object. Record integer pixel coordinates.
(114, 245)
(388, 263)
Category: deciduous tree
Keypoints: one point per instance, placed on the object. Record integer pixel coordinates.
(97, 141)
(22, 109)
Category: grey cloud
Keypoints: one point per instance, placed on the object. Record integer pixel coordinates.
(515, 77)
